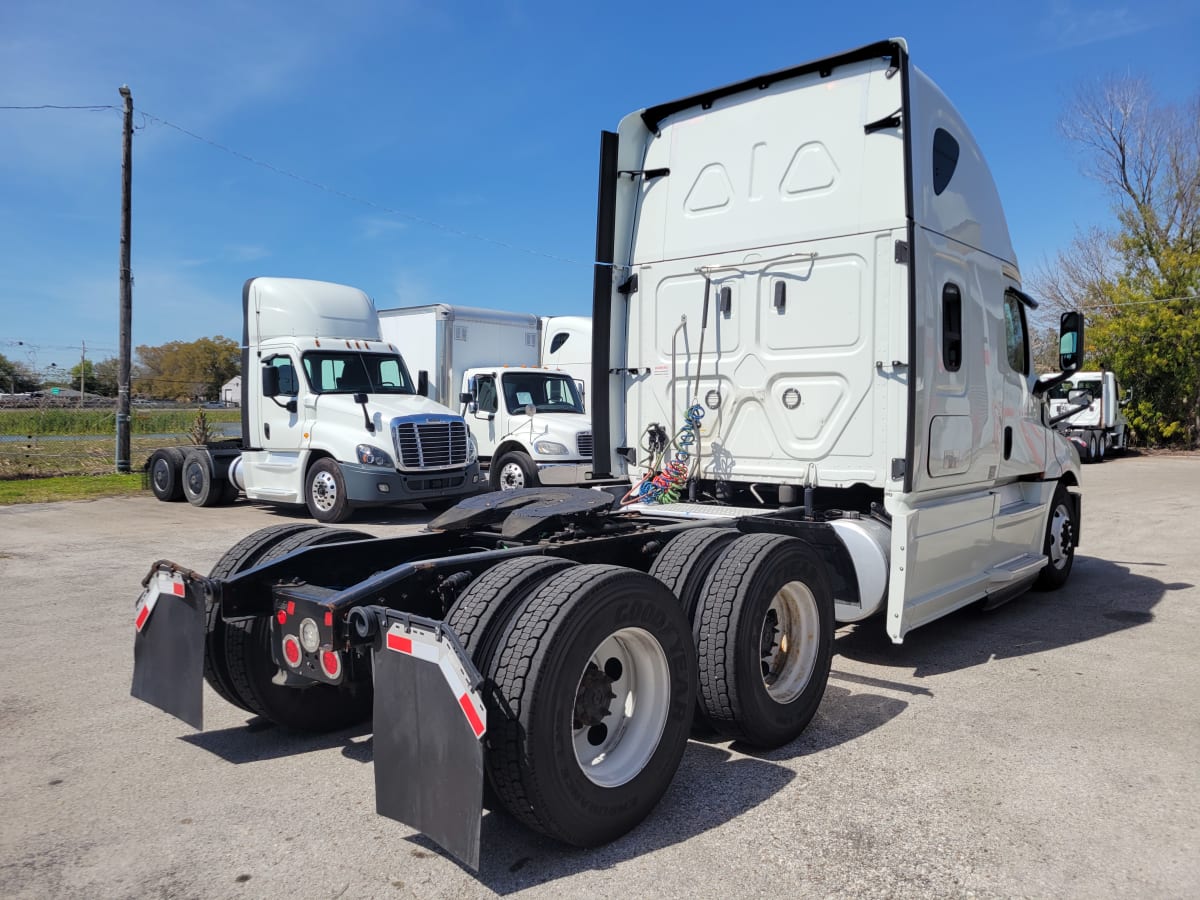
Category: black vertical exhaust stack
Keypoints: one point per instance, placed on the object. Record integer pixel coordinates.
(602, 286)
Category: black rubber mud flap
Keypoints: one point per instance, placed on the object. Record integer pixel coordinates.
(429, 724)
(168, 647)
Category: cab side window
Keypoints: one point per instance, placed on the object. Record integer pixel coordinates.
(288, 386)
(1015, 337)
(486, 394)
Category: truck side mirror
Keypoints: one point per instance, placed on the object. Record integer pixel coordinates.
(270, 381)
(1070, 341)
(465, 397)
(423, 383)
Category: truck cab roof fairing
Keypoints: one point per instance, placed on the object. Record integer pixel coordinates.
(967, 208)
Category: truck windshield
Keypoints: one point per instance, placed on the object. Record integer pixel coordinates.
(544, 391)
(351, 372)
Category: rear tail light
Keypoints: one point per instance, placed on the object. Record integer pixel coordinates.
(291, 650)
(331, 663)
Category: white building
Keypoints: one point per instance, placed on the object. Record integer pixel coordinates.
(231, 391)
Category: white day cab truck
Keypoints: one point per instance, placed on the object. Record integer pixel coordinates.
(1089, 411)
(520, 382)
(331, 417)
(812, 404)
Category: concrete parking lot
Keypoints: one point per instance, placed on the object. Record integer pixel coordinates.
(1045, 749)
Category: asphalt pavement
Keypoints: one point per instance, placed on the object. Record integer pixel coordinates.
(1045, 749)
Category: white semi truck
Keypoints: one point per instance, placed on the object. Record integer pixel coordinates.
(526, 414)
(331, 417)
(812, 385)
(1089, 410)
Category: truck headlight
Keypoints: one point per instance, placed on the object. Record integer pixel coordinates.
(472, 448)
(373, 456)
(550, 448)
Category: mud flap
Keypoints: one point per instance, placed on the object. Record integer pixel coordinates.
(168, 648)
(429, 724)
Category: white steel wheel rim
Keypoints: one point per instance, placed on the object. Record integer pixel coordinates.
(512, 477)
(1060, 537)
(789, 640)
(324, 491)
(615, 749)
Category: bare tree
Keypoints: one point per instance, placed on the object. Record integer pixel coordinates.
(1144, 154)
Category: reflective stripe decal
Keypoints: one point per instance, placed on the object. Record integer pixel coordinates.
(399, 643)
(424, 645)
(468, 708)
(142, 615)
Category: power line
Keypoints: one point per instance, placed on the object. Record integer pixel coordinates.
(345, 195)
(56, 106)
(1100, 304)
(337, 192)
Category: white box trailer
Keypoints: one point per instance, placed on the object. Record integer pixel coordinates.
(516, 377)
(812, 383)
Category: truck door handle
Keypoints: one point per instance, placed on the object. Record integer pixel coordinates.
(1007, 441)
(267, 430)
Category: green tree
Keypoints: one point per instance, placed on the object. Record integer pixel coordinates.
(1138, 280)
(192, 370)
(16, 377)
(97, 378)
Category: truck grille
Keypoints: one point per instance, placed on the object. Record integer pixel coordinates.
(432, 443)
(584, 443)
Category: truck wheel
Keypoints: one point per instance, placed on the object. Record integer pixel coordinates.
(478, 616)
(684, 563)
(1059, 545)
(321, 707)
(513, 471)
(200, 486)
(764, 639)
(243, 555)
(1092, 451)
(325, 492)
(166, 474)
(683, 566)
(594, 690)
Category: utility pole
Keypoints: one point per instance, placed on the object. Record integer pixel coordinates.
(126, 287)
(82, 363)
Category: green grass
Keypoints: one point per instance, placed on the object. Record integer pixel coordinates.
(72, 487)
(58, 421)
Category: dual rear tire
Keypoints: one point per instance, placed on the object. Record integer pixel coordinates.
(761, 613)
(589, 680)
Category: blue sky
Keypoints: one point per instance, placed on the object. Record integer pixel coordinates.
(482, 118)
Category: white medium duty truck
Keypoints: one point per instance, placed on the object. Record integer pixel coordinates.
(331, 417)
(1089, 410)
(812, 383)
(527, 417)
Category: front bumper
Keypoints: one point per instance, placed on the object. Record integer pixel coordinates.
(377, 486)
(564, 473)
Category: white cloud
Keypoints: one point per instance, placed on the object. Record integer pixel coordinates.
(1067, 26)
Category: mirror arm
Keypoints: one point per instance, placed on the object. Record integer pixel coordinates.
(1046, 382)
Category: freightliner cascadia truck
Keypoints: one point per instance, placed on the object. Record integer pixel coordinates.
(811, 381)
(331, 416)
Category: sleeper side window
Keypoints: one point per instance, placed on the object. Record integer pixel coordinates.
(1016, 339)
(945, 159)
(951, 327)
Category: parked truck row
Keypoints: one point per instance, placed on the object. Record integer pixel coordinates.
(811, 403)
(334, 418)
